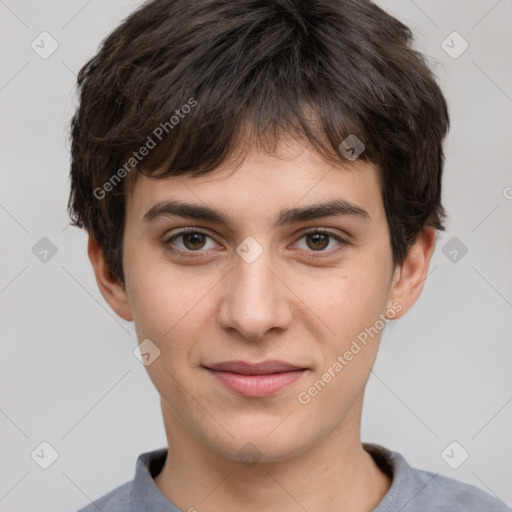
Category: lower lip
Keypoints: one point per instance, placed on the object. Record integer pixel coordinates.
(256, 385)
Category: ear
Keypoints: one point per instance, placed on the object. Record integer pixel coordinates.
(111, 288)
(408, 279)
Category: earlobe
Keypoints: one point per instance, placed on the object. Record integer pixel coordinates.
(112, 289)
(408, 279)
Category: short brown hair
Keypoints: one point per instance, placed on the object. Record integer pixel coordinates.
(270, 65)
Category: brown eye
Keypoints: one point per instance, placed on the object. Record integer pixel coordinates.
(192, 241)
(319, 241)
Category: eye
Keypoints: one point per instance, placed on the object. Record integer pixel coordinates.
(193, 240)
(318, 239)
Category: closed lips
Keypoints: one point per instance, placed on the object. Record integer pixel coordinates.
(263, 368)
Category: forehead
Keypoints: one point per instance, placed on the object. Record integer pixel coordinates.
(263, 185)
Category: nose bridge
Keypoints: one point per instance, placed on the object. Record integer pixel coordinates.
(254, 300)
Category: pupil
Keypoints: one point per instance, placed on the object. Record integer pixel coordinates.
(320, 236)
(194, 237)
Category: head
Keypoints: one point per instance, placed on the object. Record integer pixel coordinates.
(237, 121)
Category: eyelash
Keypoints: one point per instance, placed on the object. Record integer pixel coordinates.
(312, 254)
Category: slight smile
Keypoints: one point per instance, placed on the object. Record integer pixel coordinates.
(255, 379)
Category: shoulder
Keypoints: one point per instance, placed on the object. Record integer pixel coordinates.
(135, 494)
(448, 494)
(117, 500)
(414, 489)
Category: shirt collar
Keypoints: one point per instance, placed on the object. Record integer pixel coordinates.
(406, 483)
(145, 494)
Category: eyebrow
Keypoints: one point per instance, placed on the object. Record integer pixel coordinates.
(287, 216)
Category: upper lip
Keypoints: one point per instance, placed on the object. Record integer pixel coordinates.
(263, 368)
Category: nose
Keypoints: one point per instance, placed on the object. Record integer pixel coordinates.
(255, 299)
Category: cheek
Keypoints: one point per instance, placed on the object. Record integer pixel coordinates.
(161, 307)
(168, 310)
(171, 307)
(157, 294)
(351, 307)
(350, 300)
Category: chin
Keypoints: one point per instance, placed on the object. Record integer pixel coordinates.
(261, 444)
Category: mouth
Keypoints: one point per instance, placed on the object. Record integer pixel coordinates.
(255, 379)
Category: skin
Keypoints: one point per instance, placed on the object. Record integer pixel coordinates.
(283, 306)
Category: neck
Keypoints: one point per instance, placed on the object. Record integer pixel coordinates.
(334, 474)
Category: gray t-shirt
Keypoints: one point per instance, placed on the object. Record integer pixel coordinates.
(411, 489)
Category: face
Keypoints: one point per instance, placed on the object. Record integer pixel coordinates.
(270, 279)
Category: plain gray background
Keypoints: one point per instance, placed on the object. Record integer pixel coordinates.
(68, 375)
